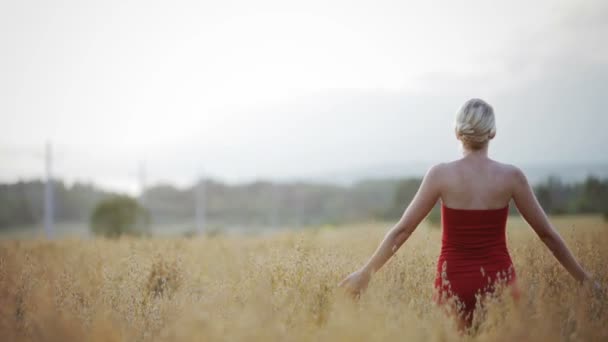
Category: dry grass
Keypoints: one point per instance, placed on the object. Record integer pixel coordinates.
(282, 288)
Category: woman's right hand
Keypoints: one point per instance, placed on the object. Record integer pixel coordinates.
(599, 291)
(356, 282)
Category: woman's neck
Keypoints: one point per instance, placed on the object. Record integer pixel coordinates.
(481, 153)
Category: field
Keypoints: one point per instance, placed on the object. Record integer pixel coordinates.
(283, 287)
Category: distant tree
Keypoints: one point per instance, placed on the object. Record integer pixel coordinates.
(404, 194)
(406, 190)
(119, 215)
(593, 196)
(556, 197)
(434, 217)
(543, 194)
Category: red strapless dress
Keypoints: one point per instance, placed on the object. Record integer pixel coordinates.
(473, 256)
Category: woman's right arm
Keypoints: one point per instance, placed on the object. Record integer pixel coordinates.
(532, 212)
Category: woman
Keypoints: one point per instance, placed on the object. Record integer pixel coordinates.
(475, 192)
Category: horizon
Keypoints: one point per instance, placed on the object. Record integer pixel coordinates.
(537, 173)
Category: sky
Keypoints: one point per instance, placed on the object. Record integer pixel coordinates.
(245, 90)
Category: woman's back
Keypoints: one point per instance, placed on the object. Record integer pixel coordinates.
(476, 182)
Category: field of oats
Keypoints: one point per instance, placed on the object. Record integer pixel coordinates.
(283, 287)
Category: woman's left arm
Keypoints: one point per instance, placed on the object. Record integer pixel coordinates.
(424, 200)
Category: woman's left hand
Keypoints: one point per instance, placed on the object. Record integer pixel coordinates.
(356, 282)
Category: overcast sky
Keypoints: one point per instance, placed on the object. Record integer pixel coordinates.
(241, 90)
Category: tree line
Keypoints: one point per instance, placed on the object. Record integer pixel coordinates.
(273, 204)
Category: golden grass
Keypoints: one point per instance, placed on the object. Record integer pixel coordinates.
(283, 288)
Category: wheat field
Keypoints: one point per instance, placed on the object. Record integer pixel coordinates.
(283, 288)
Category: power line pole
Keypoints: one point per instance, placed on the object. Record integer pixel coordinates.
(48, 193)
(200, 206)
(274, 219)
(142, 183)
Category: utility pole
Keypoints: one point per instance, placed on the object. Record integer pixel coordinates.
(199, 191)
(274, 211)
(142, 183)
(49, 206)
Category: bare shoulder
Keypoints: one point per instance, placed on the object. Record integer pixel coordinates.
(445, 169)
(512, 172)
(438, 173)
(437, 170)
(435, 178)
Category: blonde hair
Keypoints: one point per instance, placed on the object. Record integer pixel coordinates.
(475, 124)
